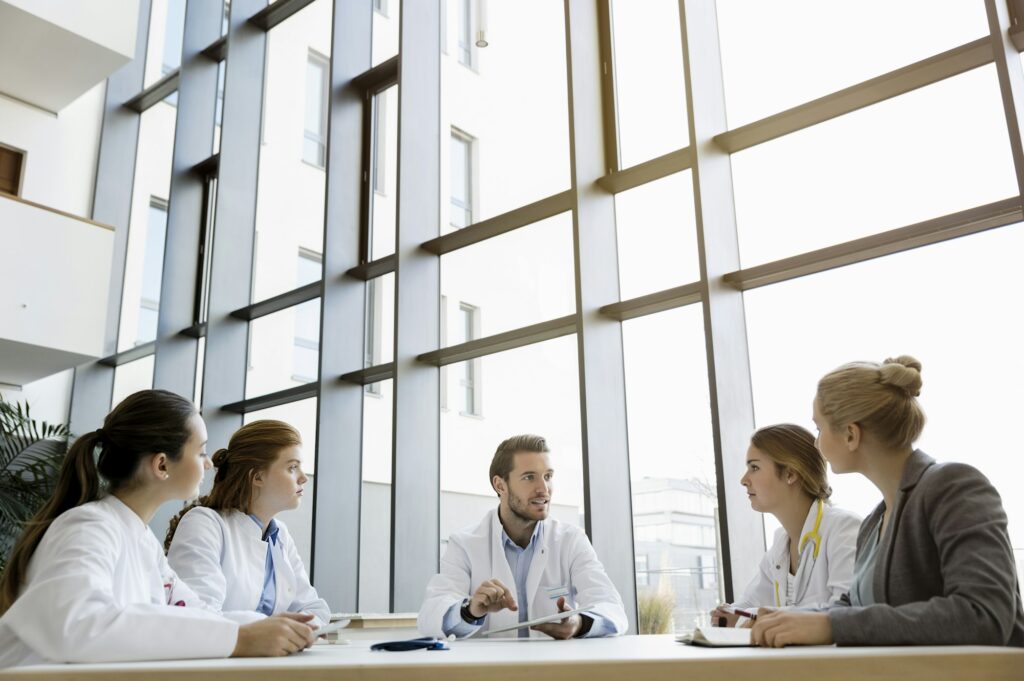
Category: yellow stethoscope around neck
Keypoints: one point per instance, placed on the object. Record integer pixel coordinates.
(813, 536)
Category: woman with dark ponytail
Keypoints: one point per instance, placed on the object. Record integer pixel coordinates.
(87, 580)
(230, 547)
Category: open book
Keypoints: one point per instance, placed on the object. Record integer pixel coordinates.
(717, 637)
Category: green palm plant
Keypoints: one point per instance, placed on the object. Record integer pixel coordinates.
(31, 454)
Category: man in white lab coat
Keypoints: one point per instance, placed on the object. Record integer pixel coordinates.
(518, 564)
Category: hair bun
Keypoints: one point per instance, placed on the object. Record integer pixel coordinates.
(902, 372)
(220, 457)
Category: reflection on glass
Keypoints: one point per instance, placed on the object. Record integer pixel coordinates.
(650, 88)
(284, 349)
(519, 278)
(657, 235)
(380, 322)
(954, 306)
(930, 152)
(512, 103)
(290, 195)
(152, 271)
(197, 386)
(387, 16)
(672, 467)
(534, 389)
(166, 28)
(147, 227)
(218, 111)
(384, 173)
(301, 415)
(765, 46)
(132, 377)
(375, 519)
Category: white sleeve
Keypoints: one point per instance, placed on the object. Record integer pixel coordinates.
(841, 553)
(195, 556)
(306, 598)
(594, 590)
(445, 589)
(71, 612)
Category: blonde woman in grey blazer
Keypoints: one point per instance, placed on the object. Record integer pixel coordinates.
(934, 564)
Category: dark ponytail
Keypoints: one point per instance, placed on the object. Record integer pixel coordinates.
(145, 423)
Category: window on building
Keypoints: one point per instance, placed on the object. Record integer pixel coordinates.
(310, 267)
(466, 51)
(152, 270)
(461, 211)
(306, 353)
(469, 377)
(708, 571)
(11, 163)
(374, 341)
(642, 575)
(380, 145)
(314, 149)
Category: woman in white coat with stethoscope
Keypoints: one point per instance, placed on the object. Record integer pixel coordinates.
(230, 548)
(87, 580)
(810, 563)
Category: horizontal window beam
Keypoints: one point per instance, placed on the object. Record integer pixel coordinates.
(274, 13)
(286, 396)
(370, 375)
(989, 216)
(654, 302)
(277, 303)
(194, 331)
(156, 92)
(208, 167)
(517, 338)
(380, 77)
(506, 222)
(655, 169)
(926, 72)
(374, 268)
(217, 50)
(126, 356)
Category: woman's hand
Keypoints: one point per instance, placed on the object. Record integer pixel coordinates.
(786, 628)
(275, 636)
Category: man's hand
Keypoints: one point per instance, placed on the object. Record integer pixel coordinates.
(491, 596)
(567, 628)
(785, 628)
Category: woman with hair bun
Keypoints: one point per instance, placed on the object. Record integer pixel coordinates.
(87, 580)
(810, 563)
(934, 564)
(230, 548)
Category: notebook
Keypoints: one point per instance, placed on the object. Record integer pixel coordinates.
(717, 637)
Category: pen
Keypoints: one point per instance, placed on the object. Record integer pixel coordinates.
(741, 613)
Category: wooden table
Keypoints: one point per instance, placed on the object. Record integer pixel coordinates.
(629, 658)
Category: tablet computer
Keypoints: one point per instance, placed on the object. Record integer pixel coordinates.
(557, 617)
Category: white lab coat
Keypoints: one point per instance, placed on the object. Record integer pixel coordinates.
(563, 560)
(223, 558)
(818, 582)
(98, 589)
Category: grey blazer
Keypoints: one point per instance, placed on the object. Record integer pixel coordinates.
(945, 571)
